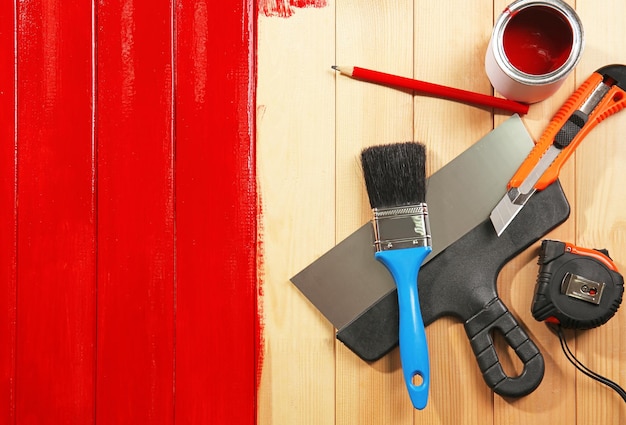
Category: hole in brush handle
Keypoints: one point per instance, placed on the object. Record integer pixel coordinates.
(417, 380)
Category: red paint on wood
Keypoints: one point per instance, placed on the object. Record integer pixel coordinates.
(102, 297)
(8, 214)
(286, 8)
(135, 341)
(217, 328)
(55, 216)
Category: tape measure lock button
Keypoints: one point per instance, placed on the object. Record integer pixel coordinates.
(576, 287)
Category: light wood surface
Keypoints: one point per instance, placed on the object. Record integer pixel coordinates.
(311, 126)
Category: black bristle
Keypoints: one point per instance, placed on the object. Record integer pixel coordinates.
(395, 174)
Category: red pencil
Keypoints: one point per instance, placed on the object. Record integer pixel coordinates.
(434, 89)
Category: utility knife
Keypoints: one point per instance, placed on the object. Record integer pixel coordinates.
(600, 96)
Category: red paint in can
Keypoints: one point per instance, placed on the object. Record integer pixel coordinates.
(538, 40)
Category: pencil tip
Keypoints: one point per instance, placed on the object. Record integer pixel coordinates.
(335, 67)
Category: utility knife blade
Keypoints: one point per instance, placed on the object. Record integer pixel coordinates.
(600, 96)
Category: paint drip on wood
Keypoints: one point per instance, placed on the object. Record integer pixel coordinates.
(286, 8)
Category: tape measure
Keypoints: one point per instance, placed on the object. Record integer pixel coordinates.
(576, 287)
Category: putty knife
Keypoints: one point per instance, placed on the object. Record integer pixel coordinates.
(462, 282)
(347, 281)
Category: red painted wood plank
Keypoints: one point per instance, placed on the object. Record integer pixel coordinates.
(55, 217)
(135, 342)
(216, 210)
(8, 218)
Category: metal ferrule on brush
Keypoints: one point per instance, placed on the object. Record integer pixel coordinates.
(401, 227)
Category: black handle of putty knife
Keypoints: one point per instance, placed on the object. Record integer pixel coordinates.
(495, 316)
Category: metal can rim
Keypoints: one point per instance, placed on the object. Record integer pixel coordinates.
(561, 72)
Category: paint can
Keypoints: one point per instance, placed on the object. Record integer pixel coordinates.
(533, 48)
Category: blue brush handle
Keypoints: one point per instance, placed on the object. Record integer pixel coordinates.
(404, 265)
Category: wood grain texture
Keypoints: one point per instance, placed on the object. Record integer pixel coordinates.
(550, 403)
(135, 343)
(443, 44)
(371, 35)
(601, 219)
(8, 213)
(56, 215)
(449, 54)
(296, 160)
(124, 251)
(216, 214)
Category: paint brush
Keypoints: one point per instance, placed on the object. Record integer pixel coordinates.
(431, 88)
(395, 179)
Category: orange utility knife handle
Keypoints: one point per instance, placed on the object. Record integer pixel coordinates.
(612, 102)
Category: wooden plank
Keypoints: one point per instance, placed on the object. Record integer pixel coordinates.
(551, 401)
(601, 218)
(216, 213)
(56, 215)
(377, 37)
(448, 46)
(296, 160)
(448, 128)
(8, 214)
(135, 341)
(450, 51)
